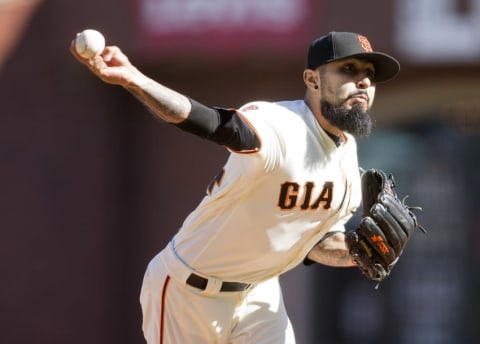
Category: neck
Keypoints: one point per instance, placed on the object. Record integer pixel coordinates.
(330, 129)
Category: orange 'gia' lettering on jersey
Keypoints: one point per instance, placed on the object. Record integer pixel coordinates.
(365, 44)
(289, 192)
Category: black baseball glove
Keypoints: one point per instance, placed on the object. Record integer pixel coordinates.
(386, 225)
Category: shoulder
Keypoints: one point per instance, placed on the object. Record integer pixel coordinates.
(266, 106)
(273, 111)
(284, 118)
(258, 107)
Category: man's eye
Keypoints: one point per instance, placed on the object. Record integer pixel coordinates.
(371, 74)
(349, 69)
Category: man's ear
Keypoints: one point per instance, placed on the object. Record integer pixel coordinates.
(310, 77)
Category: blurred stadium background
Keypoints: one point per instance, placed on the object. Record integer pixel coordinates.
(92, 186)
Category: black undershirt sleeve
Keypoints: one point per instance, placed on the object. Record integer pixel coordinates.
(222, 126)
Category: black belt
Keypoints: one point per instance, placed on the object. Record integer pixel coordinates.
(201, 283)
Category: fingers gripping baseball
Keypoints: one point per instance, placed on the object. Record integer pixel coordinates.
(110, 64)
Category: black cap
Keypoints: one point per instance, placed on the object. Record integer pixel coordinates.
(341, 45)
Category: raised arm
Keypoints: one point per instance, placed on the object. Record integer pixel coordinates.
(223, 126)
(113, 67)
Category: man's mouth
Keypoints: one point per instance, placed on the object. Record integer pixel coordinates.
(362, 96)
(359, 97)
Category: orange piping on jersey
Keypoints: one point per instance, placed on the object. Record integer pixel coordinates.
(162, 317)
(247, 151)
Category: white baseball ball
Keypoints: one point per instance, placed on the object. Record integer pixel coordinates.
(89, 43)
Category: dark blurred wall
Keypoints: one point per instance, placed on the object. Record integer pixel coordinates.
(93, 187)
(66, 208)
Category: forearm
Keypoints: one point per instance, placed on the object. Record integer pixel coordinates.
(222, 126)
(113, 67)
(332, 251)
(163, 102)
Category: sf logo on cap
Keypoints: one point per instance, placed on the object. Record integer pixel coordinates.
(365, 44)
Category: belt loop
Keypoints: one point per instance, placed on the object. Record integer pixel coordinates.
(181, 270)
(213, 287)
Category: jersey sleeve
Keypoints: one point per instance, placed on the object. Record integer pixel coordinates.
(266, 119)
(223, 126)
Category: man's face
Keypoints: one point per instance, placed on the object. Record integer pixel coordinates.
(348, 82)
(347, 91)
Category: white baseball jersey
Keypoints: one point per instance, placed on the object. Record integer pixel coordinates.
(268, 208)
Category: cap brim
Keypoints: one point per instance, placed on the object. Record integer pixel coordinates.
(386, 67)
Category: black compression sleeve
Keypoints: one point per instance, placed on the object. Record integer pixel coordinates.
(219, 125)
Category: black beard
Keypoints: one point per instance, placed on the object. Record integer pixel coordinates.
(354, 121)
